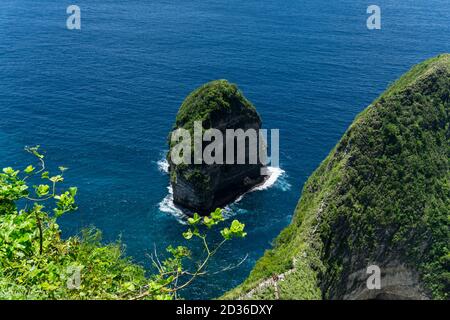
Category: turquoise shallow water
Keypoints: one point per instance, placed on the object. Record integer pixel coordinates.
(102, 100)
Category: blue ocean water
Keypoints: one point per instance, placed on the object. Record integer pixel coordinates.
(102, 100)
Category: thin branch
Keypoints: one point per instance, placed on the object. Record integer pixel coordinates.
(197, 273)
(41, 240)
(40, 158)
(176, 283)
(155, 263)
(156, 256)
(231, 266)
(205, 244)
(194, 275)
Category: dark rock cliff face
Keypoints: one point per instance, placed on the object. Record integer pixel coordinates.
(202, 187)
(381, 197)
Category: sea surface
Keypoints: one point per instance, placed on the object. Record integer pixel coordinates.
(102, 100)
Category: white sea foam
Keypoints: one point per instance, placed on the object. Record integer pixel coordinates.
(274, 174)
(168, 206)
(276, 179)
(163, 165)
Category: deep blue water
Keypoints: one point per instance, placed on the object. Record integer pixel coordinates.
(102, 100)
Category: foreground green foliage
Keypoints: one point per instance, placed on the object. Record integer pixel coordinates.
(383, 194)
(36, 263)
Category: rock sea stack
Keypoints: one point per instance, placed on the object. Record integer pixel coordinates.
(204, 187)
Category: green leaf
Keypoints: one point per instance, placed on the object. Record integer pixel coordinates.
(208, 222)
(188, 234)
(195, 219)
(56, 179)
(129, 286)
(29, 169)
(73, 191)
(10, 172)
(217, 215)
(42, 190)
(236, 230)
(226, 234)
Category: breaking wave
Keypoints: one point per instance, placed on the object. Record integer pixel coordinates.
(277, 179)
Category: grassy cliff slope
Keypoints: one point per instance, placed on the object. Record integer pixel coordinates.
(382, 196)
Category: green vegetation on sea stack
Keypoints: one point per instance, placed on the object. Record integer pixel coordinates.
(382, 197)
(209, 102)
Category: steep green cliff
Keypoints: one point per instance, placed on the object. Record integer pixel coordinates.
(381, 197)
